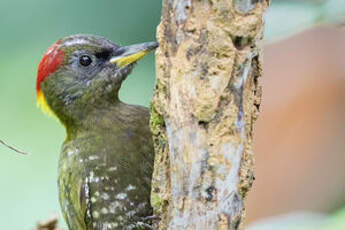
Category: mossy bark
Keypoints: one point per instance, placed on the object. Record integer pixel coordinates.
(206, 100)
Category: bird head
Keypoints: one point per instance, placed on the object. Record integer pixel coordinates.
(80, 72)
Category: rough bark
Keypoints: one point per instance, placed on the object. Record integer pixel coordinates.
(206, 100)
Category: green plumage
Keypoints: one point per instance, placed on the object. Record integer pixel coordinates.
(106, 161)
(105, 169)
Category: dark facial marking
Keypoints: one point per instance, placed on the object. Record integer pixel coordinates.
(104, 54)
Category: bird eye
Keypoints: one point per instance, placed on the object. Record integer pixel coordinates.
(85, 60)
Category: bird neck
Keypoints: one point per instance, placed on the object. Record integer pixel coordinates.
(99, 118)
(86, 111)
(71, 103)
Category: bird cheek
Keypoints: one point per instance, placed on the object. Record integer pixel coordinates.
(109, 71)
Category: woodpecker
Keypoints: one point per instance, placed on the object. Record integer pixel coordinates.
(106, 160)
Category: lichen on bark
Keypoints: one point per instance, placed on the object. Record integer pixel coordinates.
(206, 100)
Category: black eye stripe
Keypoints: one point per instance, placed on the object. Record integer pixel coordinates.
(85, 60)
(104, 54)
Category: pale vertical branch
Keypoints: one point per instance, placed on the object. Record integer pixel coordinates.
(205, 103)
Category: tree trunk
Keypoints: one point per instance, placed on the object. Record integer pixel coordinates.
(206, 100)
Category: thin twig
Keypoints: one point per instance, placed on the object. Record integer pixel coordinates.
(12, 148)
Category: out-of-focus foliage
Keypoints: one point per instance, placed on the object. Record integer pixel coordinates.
(284, 18)
(303, 221)
(298, 143)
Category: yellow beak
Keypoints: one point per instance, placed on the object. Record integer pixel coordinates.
(128, 54)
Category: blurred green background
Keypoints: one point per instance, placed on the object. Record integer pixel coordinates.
(28, 183)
